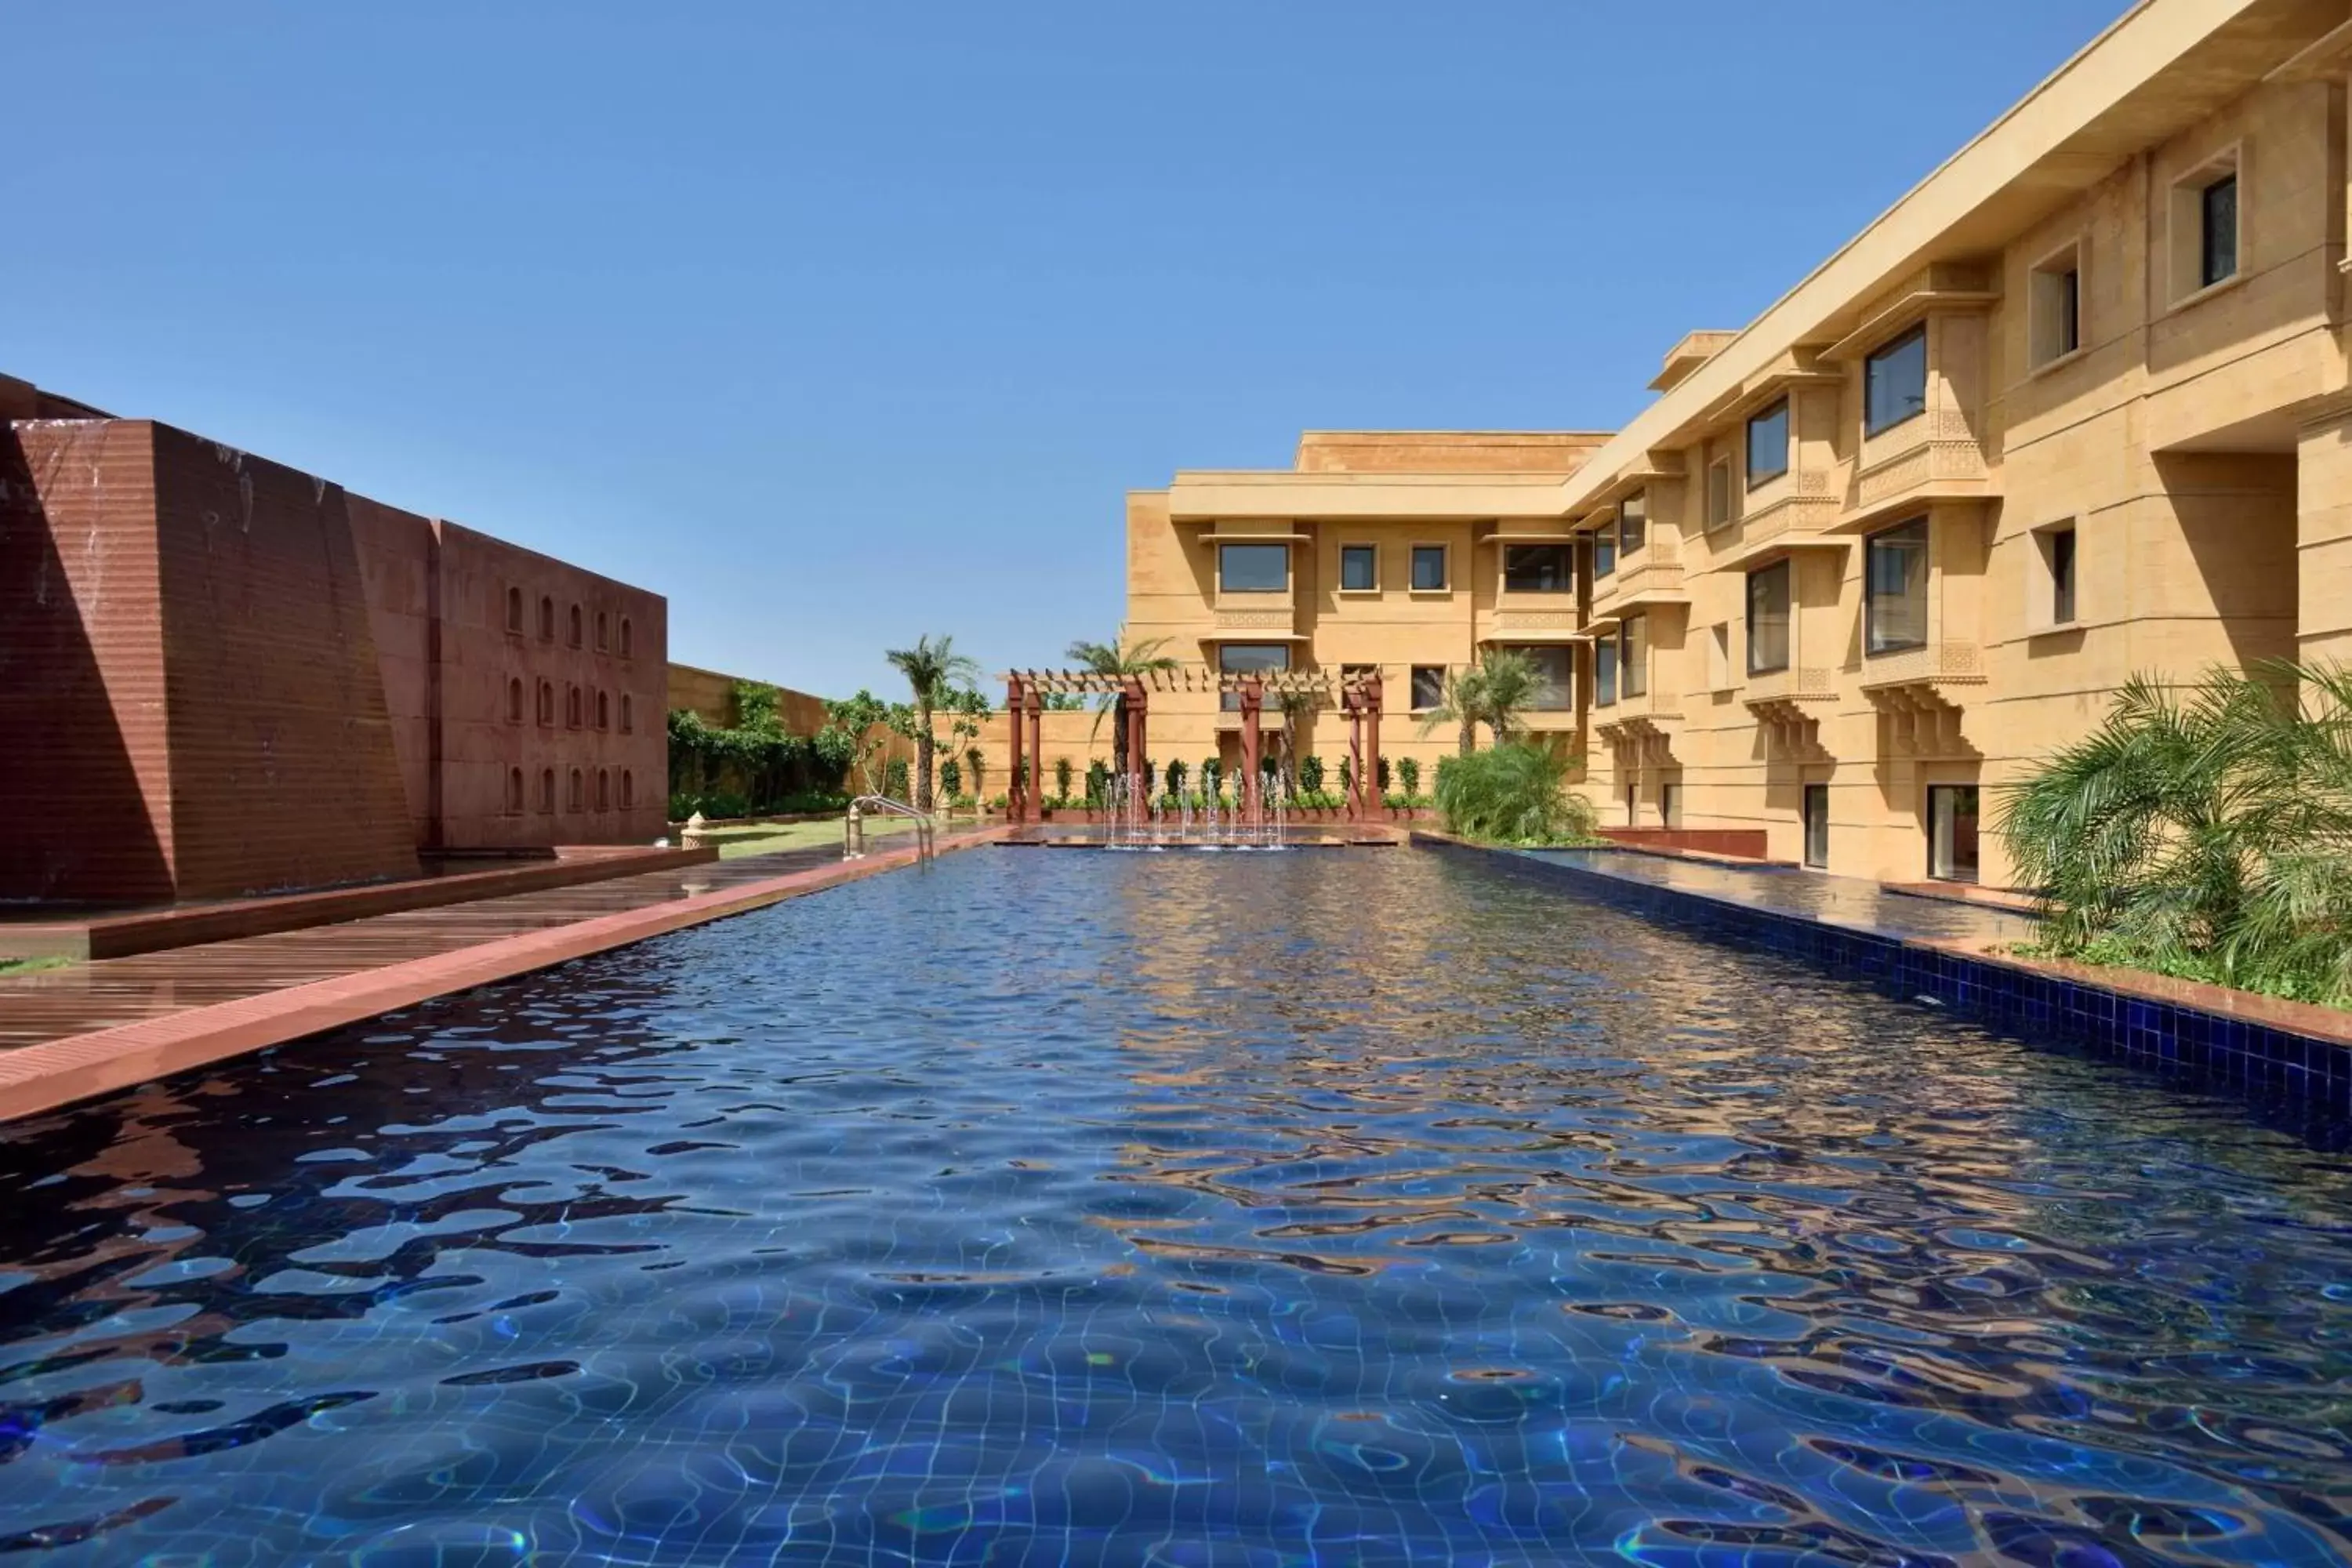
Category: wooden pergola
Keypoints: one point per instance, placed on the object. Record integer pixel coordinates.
(1357, 695)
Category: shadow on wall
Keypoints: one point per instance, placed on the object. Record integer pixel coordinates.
(74, 821)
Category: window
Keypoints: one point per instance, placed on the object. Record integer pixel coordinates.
(603, 789)
(1767, 619)
(1253, 568)
(628, 637)
(578, 794)
(571, 707)
(2058, 552)
(1633, 525)
(1632, 805)
(514, 792)
(1894, 588)
(1718, 493)
(604, 711)
(547, 702)
(628, 790)
(1670, 805)
(1718, 657)
(1360, 569)
(1428, 687)
(514, 611)
(1536, 569)
(1245, 659)
(1816, 825)
(1768, 445)
(628, 714)
(1554, 690)
(546, 618)
(2218, 241)
(1429, 569)
(2204, 238)
(1604, 551)
(574, 638)
(1894, 383)
(1633, 655)
(2053, 308)
(1952, 833)
(514, 699)
(1604, 672)
(547, 789)
(604, 631)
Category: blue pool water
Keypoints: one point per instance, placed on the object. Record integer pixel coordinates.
(1346, 1208)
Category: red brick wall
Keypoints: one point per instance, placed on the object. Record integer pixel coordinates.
(396, 567)
(283, 771)
(85, 807)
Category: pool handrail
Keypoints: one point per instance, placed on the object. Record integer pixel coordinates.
(853, 826)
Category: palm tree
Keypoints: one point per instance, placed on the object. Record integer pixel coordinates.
(1508, 681)
(1122, 659)
(931, 668)
(2205, 834)
(1464, 701)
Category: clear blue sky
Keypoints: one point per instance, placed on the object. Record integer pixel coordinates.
(839, 324)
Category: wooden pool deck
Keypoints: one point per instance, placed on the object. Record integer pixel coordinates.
(68, 1033)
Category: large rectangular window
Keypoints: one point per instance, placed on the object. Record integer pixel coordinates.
(1252, 568)
(1536, 568)
(1429, 568)
(1768, 445)
(1633, 655)
(1894, 588)
(2218, 247)
(1604, 672)
(1249, 658)
(1767, 619)
(1632, 524)
(1360, 569)
(1555, 689)
(1894, 383)
(1428, 687)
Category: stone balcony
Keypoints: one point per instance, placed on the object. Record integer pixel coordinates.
(1796, 684)
(1943, 461)
(1651, 575)
(1640, 730)
(1921, 695)
(1803, 514)
(1942, 663)
(1531, 618)
(1788, 705)
(1256, 618)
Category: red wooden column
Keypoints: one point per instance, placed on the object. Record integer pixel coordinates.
(1252, 705)
(1139, 709)
(1014, 800)
(1352, 702)
(1371, 780)
(1036, 746)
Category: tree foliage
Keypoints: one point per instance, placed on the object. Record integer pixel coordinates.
(2204, 833)
(1513, 794)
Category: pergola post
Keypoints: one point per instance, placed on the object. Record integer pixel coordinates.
(1139, 787)
(1252, 706)
(1036, 745)
(1015, 801)
(1373, 745)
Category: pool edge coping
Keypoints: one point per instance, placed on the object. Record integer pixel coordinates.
(53, 1074)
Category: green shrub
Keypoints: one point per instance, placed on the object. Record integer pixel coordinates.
(1515, 794)
(1175, 777)
(1097, 781)
(1380, 775)
(1212, 772)
(895, 775)
(1062, 771)
(1409, 774)
(951, 778)
(1310, 776)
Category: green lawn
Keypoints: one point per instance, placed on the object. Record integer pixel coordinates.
(767, 838)
(31, 965)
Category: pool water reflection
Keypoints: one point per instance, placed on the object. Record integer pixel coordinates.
(1338, 1207)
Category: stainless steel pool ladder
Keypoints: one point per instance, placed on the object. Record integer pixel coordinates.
(853, 826)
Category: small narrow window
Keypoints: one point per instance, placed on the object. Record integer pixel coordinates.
(1632, 805)
(1894, 588)
(1670, 805)
(603, 789)
(1952, 833)
(604, 711)
(579, 791)
(1768, 445)
(628, 714)
(2219, 245)
(628, 790)
(514, 611)
(1360, 569)
(628, 637)
(1816, 825)
(2053, 307)
(571, 707)
(1894, 383)
(547, 702)
(574, 638)
(514, 699)
(514, 792)
(2056, 546)
(2205, 236)
(546, 618)
(1428, 687)
(1429, 568)
(1718, 493)
(604, 631)
(1604, 672)
(1634, 654)
(1604, 550)
(1633, 525)
(1767, 619)
(547, 789)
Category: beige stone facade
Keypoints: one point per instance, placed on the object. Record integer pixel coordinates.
(2075, 407)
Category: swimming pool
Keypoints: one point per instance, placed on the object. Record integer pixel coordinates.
(1338, 1207)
